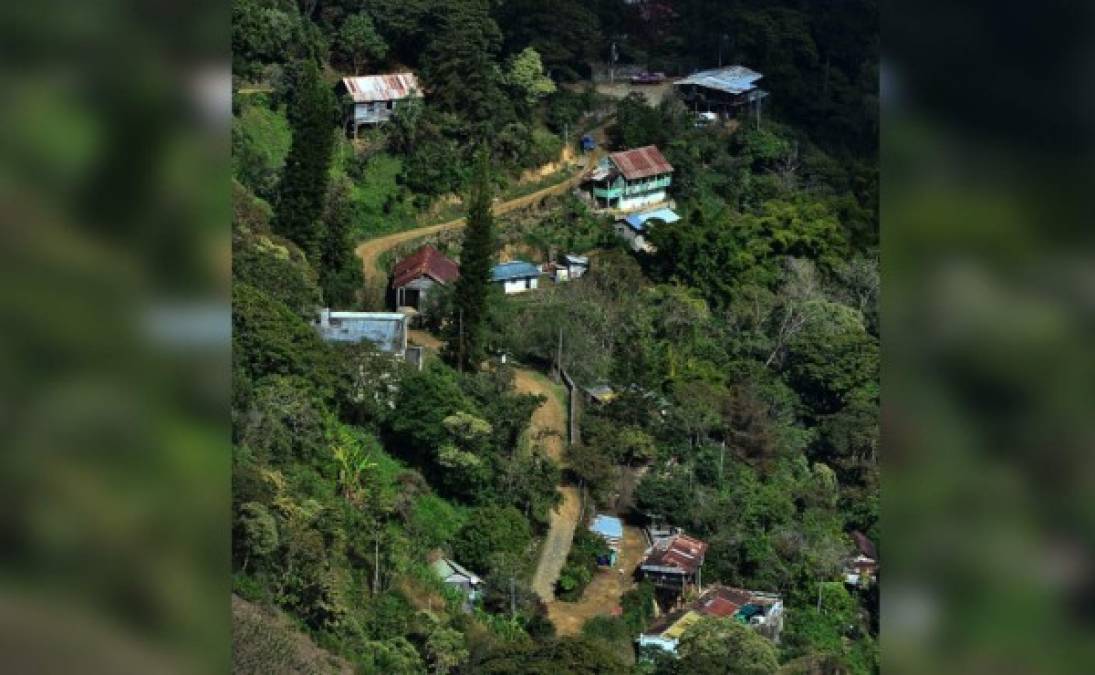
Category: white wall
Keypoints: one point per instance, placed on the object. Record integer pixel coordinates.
(637, 201)
(519, 285)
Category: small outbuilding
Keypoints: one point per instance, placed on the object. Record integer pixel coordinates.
(373, 99)
(457, 576)
(516, 276)
(609, 528)
(634, 228)
(415, 276)
(723, 91)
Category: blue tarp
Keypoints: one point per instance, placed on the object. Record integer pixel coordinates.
(517, 269)
(588, 143)
(607, 526)
(637, 221)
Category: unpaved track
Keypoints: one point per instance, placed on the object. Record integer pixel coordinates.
(371, 250)
(548, 429)
(603, 594)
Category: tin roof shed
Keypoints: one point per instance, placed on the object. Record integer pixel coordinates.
(732, 79)
(392, 87)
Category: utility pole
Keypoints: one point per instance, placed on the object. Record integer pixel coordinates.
(819, 597)
(566, 136)
(559, 355)
(512, 596)
(376, 563)
(612, 68)
(460, 341)
(722, 457)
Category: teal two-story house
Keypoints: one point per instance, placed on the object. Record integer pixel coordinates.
(631, 179)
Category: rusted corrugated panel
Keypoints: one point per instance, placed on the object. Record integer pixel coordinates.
(390, 87)
(641, 162)
(427, 260)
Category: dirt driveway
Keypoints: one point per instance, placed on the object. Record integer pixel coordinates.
(603, 594)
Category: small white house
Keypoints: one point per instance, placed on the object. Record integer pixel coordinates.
(516, 276)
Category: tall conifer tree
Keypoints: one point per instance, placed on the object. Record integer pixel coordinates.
(466, 344)
(313, 114)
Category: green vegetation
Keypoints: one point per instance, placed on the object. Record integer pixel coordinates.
(580, 566)
(744, 351)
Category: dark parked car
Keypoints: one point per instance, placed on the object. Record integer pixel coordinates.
(648, 78)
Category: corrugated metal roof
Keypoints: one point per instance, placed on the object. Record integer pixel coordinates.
(384, 329)
(607, 526)
(732, 79)
(637, 221)
(516, 269)
(392, 87)
(682, 624)
(682, 552)
(641, 162)
(425, 261)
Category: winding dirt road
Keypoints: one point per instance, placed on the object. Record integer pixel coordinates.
(370, 251)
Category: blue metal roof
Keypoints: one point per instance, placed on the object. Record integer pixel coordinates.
(732, 79)
(637, 221)
(607, 526)
(516, 269)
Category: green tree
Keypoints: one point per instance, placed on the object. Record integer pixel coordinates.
(459, 65)
(492, 534)
(302, 193)
(339, 273)
(258, 532)
(358, 41)
(467, 342)
(447, 649)
(717, 646)
(525, 73)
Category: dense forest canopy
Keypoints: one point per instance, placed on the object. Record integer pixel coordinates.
(743, 348)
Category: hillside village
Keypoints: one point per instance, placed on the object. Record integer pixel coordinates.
(542, 370)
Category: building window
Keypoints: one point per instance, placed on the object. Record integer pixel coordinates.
(528, 284)
(390, 104)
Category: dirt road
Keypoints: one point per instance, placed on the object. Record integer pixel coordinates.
(371, 250)
(548, 429)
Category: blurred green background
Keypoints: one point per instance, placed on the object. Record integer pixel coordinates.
(114, 482)
(988, 300)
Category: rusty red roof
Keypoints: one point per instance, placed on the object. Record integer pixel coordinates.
(641, 162)
(864, 545)
(683, 552)
(395, 86)
(426, 261)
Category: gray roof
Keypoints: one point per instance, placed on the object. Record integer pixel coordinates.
(446, 568)
(732, 79)
(384, 329)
